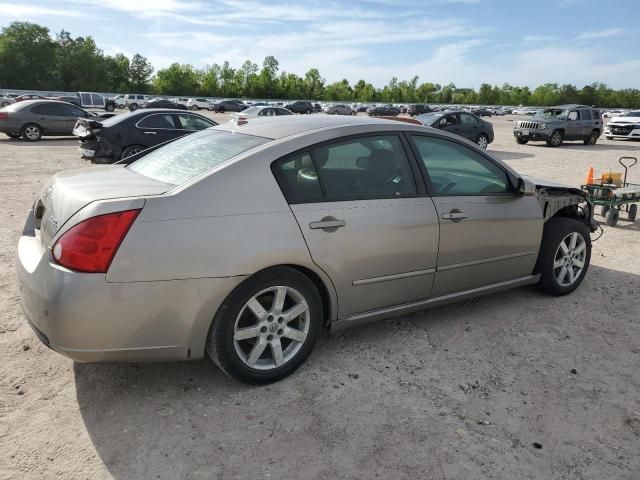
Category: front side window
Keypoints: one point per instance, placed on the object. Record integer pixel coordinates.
(186, 158)
(53, 109)
(194, 123)
(585, 114)
(454, 169)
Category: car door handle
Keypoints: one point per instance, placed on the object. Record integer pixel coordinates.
(150, 133)
(328, 224)
(454, 216)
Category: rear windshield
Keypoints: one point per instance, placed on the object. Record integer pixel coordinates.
(186, 158)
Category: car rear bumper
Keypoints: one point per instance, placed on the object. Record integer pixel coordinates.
(88, 319)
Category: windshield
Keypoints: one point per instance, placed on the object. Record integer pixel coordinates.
(186, 158)
(552, 114)
(632, 114)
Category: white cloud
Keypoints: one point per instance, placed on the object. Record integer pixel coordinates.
(14, 11)
(607, 33)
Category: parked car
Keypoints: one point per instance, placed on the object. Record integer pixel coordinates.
(31, 119)
(554, 125)
(240, 118)
(88, 100)
(164, 103)
(133, 101)
(199, 104)
(119, 101)
(418, 109)
(229, 106)
(482, 112)
(167, 258)
(626, 126)
(6, 100)
(339, 109)
(29, 96)
(124, 135)
(384, 110)
(461, 123)
(181, 100)
(300, 107)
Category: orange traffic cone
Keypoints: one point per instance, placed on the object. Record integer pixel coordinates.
(589, 178)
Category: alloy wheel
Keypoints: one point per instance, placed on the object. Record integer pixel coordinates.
(569, 260)
(483, 142)
(271, 328)
(32, 132)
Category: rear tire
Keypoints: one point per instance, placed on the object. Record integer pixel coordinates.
(633, 210)
(611, 218)
(604, 210)
(521, 141)
(560, 272)
(308, 112)
(267, 327)
(133, 107)
(556, 139)
(483, 141)
(593, 138)
(131, 150)
(110, 108)
(31, 132)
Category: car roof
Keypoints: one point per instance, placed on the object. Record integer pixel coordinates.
(285, 126)
(571, 105)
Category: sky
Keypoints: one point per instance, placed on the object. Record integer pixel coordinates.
(467, 42)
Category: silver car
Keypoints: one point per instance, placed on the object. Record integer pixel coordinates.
(240, 118)
(244, 242)
(339, 110)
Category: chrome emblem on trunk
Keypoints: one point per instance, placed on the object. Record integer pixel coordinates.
(53, 221)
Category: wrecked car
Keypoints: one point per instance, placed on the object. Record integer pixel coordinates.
(242, 242)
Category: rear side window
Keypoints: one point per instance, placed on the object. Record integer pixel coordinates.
(48, 109)
(454, 169)
(161, 121)
(298, 178)
(585, 114)
(186, 158)
(372, 167)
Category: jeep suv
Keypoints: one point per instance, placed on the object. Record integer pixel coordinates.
(557, 124)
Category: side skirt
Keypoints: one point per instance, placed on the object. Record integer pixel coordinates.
(431, 302)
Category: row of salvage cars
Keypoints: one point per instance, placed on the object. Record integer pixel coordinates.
(244, 241)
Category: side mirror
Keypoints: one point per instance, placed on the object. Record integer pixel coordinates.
(525, 187)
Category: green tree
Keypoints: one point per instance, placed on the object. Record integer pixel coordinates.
(177, 80)
(27, 57)
(140, 71)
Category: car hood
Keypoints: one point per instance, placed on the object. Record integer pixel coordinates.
(543, 183)
(625, 120)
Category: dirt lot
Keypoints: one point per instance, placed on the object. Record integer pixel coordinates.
(512, 386)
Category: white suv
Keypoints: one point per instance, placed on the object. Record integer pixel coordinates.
(6, 100)
(198, 104)
(134, 101)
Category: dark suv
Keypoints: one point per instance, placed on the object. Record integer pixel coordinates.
(415, 110)
(300, 107)
(557, 124)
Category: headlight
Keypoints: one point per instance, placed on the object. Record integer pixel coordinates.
(543, 126)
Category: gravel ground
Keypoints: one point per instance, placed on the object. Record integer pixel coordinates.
(513, 385)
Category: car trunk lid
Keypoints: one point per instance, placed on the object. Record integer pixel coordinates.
(69, 191)
(86, 128)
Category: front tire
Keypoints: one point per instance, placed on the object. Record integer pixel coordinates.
(133, 107)
(110, 108)
(266, 327)
(556, 139)
(611, 217)
(564, 255)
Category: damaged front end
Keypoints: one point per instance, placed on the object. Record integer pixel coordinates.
(567, 201)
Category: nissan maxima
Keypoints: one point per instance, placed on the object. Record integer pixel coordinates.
(244, 242)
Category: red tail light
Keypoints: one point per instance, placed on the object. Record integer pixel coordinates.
(91, 245)
(4, 115)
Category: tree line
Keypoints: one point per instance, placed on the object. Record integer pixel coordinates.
(31, 59)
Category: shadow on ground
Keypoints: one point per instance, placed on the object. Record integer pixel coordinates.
(462, 390)
(56, 141)
(506, 155)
